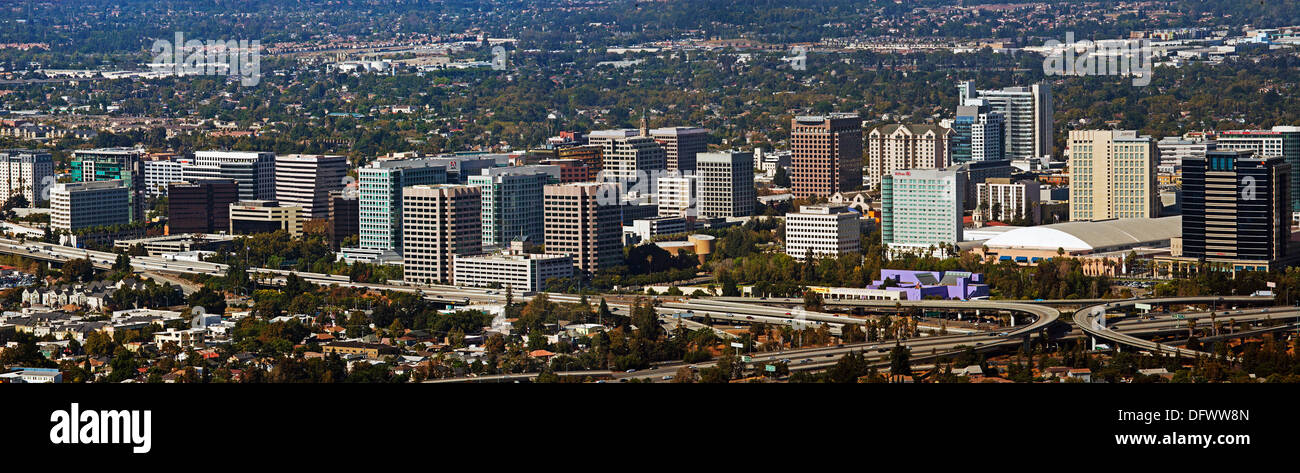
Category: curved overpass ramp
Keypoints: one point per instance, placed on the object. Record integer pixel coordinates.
(1043, 315)
(1088, 318)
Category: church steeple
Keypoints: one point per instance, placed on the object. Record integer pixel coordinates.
(645, 124)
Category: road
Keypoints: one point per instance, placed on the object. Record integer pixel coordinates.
(1088, 319)
(748, 310)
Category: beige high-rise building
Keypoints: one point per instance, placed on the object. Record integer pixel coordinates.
(1112, 175)
(584, 221)
(438, 222)
(628, 156)
(897, 147)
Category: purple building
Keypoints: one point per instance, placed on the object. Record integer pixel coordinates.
(943, 284)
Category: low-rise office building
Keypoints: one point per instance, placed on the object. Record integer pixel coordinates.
(264, 216)
(520, 271)
(822, 230)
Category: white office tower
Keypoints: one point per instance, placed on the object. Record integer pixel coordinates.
(921, 209)
(822, 230)
(675, 195)
(725, 184)
(522, 272)
(74, 206)
(1173, 149)
(379, 194)
(306, 180)
(27, 173)
(1028, 115)
(439, 222)
(254, 171)
(159, 173)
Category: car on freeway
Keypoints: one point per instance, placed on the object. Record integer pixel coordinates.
(630, 370)
(667, 377)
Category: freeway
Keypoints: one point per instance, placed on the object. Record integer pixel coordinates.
(1043, 316)
(1089, 320)
(744, 309)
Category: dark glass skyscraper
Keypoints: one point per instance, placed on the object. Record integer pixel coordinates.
(1236, 209)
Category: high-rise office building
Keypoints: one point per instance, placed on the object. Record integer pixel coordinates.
(588, 154)
(344, 218)
(902, 146)
(724, 184)
(1173, 149)
(676, 195)
(922, 209)
(306, 181)
(78, 205)
(512, 203)
(379, 197)
(439, 222)
(25, 172)
(822, 230)
(160, 173)
(1281, 141)
(253, 170)
(628, 157)
(1236, 209)
(583, 221)
(826, 155)
(1004, 200)
(113, 164)
(200, 206)
(1028, 115)
(978, 133)
(681, 145)
(1112, 175)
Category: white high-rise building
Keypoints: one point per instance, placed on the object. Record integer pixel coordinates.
(80, 205)
(725, 184)
(305, 181)
(675, 195)
(1001, 199)
(1174, 148)
(26, 172)
(1028, 114)
(254, 171)
(922, 208)
(159, 173)
(822, 230)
